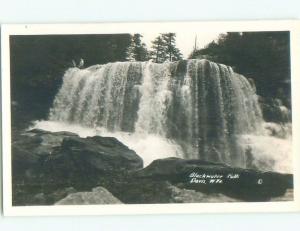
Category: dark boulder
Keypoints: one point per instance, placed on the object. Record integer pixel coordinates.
(104, 154)
(44, 162)
(65, 154)
(274, 111)
(134, 190)
(31, 147)
(89, 158)
(209, 178)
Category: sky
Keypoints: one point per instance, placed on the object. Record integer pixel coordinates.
(186, 41)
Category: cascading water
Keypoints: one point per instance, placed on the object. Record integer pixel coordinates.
(191, 108)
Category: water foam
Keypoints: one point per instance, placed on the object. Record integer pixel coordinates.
(148, 147)
(268, 153)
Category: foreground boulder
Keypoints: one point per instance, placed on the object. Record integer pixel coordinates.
(148, 191)
(65, 154)
(103, 154)
(32, 147)
(206, 177)
(44, 162)
(98, 195)
(174, 180)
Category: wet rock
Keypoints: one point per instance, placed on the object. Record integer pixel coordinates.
(274, 111)
(282, 131)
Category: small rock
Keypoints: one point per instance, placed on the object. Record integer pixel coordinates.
(98, 195)
(191, 196)
(39, 198)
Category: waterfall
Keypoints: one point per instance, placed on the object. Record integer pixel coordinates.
(190, 109)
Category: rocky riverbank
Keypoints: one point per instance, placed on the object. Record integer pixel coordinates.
(62, 168)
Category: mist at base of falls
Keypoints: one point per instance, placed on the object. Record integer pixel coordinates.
(148, 147)
(193, 109)
(270, 153)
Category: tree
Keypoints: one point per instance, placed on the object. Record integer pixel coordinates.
(172, 52)
(157, 53)
(38, 63)
(137, 50)
(164, 48)
(262, 56)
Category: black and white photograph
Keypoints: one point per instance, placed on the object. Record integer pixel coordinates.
(120, 115)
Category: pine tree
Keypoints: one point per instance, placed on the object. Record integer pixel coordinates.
(137, 50)
(158, 52)
(172, 52)
(164, 48)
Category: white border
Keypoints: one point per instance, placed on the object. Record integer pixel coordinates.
(105, 28)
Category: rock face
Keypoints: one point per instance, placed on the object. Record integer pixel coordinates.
(274, 111)
(32, 147)
(65, 154)
(99, 195)
(48, 161)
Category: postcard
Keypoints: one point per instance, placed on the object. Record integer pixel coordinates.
(150, 118)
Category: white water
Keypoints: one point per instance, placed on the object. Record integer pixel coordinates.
(271, 153)
(149, 147)
(188, 109)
